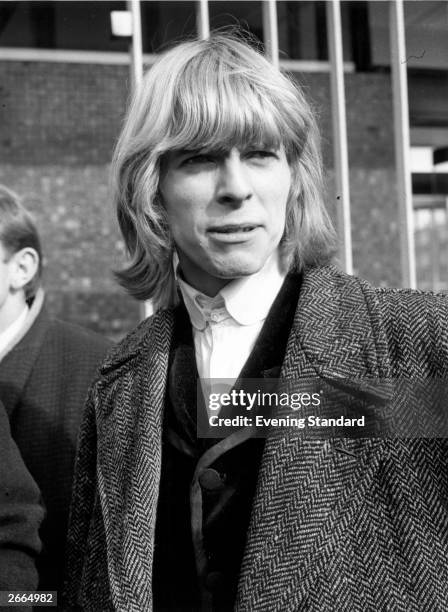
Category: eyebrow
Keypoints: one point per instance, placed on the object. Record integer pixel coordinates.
(180, 152)
(184, 151)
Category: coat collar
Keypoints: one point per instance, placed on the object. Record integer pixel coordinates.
(338, 332)
(153, 334)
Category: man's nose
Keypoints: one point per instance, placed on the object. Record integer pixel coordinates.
(233, 181)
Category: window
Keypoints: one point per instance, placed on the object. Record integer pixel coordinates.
(430, 189)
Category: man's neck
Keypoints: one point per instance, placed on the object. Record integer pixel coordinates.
(11, 310)
(211, 286)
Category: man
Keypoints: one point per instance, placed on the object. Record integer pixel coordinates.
(219, 163)
(46, 367)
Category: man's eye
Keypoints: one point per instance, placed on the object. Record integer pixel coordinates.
(262, 154)
(197, 160)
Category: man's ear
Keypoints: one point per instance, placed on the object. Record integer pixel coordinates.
(25, 264)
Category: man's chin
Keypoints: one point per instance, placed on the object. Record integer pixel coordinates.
(238, 270)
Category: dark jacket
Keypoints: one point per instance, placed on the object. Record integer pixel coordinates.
(343, 524)
(44, 379)
(20, 516)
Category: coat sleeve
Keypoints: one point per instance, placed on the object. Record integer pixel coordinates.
(21, 514)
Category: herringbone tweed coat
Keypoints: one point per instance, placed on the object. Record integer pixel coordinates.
(336, 524)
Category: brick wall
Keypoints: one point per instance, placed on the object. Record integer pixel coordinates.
(59, 123)
(374, 211)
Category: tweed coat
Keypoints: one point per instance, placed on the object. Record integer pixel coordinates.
(344, 524)
(44, 380)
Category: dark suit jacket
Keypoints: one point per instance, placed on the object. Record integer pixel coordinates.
(20, 516)
(343, 524)
(44, 381)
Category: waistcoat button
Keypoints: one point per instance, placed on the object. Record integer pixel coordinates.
(210, 480)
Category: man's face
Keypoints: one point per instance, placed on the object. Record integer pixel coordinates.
(226, 211)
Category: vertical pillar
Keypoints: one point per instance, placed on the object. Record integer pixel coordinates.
(402, 143)
(202, 19)
(136, 47)
(270, 30)
(136, 52)
(334, 33)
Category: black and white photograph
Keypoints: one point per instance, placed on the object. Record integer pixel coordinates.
(224, 305)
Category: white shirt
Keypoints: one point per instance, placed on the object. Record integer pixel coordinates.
(226, 327)
(10, 332)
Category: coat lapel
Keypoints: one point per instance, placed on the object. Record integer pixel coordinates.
(129, 427)
(307, 489)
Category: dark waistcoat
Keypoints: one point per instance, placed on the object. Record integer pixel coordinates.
(207, 485)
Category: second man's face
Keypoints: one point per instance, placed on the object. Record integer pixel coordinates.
(226, 211)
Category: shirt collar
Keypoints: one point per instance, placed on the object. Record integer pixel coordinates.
(247, 299)
(13, 329)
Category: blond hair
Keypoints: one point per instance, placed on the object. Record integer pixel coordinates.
(215, 93)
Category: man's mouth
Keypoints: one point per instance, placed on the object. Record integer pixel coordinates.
(233, 229)
(233, 233)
